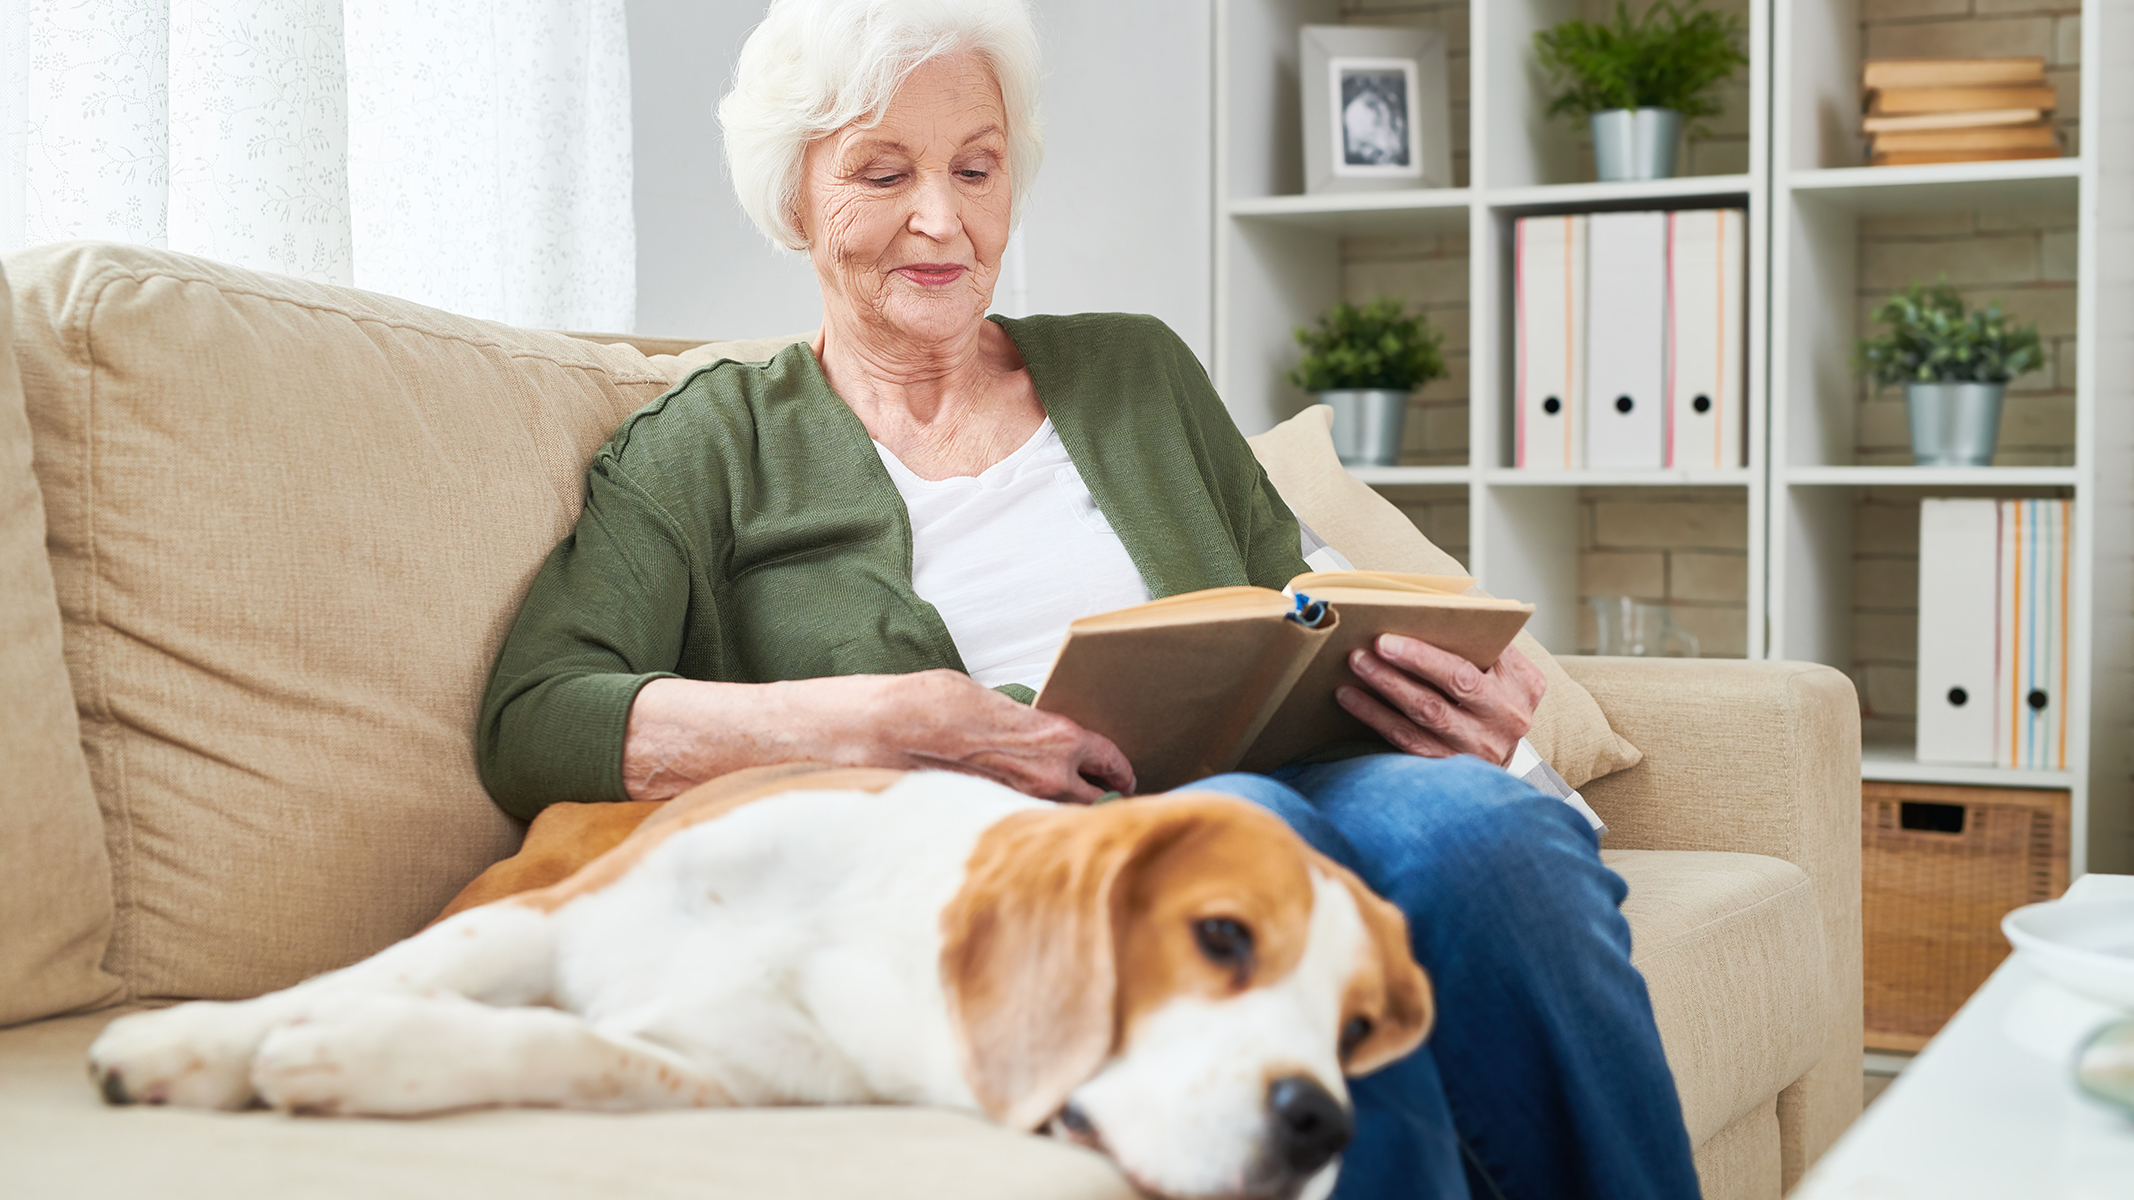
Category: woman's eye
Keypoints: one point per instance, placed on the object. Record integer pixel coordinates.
(1353, 1034)
(1225, 942)
(973, 175)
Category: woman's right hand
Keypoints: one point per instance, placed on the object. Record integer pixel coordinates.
(683, 732)
(947, 720)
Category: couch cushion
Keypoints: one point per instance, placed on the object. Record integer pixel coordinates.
(1731, 946)
(289, 526)
(59, 1141)
(55, 908)
(1569, 730)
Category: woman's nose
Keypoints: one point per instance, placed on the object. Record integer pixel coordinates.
(934, 212)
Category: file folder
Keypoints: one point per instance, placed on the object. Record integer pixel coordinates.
(1549, 306)
(1958, 547)
(2030, 692)
(1626, 265)
(1706, 403)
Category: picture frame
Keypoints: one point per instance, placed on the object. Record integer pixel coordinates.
(1376, 108)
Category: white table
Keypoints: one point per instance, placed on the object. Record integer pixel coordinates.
(1989, 1109)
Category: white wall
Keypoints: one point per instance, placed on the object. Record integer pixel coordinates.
(1118, 222)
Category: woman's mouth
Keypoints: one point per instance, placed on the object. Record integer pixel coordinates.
(932, 275)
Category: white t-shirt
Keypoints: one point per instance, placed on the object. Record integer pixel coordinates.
(1011, 555)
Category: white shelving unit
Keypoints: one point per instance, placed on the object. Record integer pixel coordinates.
(1278, 265)
(1819, 194)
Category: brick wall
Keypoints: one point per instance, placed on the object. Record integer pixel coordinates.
(1687, 548)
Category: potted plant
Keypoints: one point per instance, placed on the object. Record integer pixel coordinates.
(1636, 81)
(1365, 361)
(1955, 369)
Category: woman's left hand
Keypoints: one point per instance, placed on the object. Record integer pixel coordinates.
(1435, 704)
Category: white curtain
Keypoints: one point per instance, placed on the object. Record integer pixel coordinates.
(471, 154)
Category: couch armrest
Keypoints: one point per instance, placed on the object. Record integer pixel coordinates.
(1762, 758)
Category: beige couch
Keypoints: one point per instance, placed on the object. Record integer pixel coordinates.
(259, 540)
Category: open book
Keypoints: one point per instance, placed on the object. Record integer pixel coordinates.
(1244, 677)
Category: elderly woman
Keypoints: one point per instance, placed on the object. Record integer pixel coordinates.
(865, 551)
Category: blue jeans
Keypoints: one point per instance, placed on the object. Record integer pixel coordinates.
(1544, 1078)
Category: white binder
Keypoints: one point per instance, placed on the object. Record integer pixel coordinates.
(1958, 541)
(1626, 267)
(1706, 332)
(1549, 305)
(2030, 693)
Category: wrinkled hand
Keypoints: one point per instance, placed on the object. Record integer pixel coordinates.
(946, 719)
(1435, 704)
(682, 732)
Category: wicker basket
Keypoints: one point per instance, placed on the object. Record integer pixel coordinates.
(1940, 866)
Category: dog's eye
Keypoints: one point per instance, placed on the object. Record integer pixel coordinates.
(1354, 1033)
(1227, 943)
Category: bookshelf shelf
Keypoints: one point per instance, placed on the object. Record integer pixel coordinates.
(1514, 477)
(1361, 214)
(1598, 197)
(1931, 477)
(1412, 476)
(1943, 187)
(1895, 762)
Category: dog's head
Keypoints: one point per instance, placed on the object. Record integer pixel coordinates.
(1179, 982)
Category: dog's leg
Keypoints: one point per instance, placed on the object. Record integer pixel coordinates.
(200, 1054)
(399, 1055)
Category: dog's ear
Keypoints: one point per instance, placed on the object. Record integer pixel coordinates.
(1029, 951)
(1388, 980)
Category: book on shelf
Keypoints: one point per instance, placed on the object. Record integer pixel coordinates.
(2000, 137)
(1243, 677)
(1913, 158)
(1952, 72)
(1957, 110)
(1957, 120)
(1900, 101)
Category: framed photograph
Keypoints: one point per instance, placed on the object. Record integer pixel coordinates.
(1373, 103)
(1376, 108)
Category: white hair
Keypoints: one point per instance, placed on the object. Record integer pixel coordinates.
(815, 66)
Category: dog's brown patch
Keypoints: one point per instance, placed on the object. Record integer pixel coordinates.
(1074, 924)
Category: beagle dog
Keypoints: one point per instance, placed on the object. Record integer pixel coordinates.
(1177, 982)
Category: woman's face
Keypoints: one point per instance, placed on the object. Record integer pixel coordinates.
(906, 221)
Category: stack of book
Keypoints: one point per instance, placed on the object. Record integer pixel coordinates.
(1958, 110)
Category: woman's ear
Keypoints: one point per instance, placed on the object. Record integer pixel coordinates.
(1407, 1009)
(1028, 956)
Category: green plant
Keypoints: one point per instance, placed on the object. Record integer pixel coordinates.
(1672, 57)
(1932, 340)
(1375, 346)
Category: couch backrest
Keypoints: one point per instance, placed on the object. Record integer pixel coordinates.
(288, 526)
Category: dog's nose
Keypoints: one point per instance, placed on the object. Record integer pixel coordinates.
(1310, 1126)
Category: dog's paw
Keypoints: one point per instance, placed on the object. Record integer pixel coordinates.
(198, 1055)
(377, 1055)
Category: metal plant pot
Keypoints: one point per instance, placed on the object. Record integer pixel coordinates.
(1954, 424)
(1635, 143)
(1367, 424)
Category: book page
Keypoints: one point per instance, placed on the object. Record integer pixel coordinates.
(1181, 700)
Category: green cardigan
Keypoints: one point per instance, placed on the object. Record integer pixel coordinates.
(742, 528)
